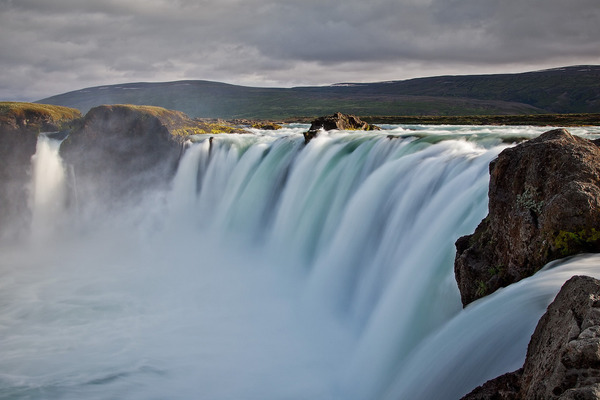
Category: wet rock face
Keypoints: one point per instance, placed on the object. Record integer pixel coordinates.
(20, 124)
(340, 121)
(16, 148)
(544, 204)
(563, 357)
(337, 121)
(122, 150)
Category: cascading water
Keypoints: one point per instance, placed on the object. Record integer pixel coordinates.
(270, 270)
(48, 193)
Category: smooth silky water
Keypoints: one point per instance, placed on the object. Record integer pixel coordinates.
(269, 270)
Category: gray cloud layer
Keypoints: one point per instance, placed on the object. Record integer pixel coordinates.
(52, 46)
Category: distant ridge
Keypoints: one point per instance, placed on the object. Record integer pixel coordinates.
(574, 89)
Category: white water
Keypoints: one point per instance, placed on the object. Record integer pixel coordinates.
(270, 270)
(48, 195)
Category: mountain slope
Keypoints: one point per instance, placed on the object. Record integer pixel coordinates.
(562, 90)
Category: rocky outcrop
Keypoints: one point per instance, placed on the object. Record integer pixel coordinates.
(119, 151)
(20, 124)
(266, 125)
(563, 357)
(337, 121)
(544, 204)
(34, 118)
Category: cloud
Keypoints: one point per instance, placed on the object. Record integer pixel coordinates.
(48, 47)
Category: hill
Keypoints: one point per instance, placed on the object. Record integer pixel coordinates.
(561, 90)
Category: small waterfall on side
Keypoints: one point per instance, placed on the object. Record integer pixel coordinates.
(271, 269)
(48, 191)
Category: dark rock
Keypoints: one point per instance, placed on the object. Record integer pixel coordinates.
(308, 136)
(544, 204)
(20, 124)
(337, 121)
(122, 150)
(563, 357)
(269, 126)
(504, 387)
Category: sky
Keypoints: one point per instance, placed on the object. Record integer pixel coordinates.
(49, 47)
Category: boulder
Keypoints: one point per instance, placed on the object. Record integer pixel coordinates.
(20, 124)
(544, 204)
(120, 151)
(563, 356)
(337, 121)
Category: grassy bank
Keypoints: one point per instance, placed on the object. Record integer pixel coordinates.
(532, 119)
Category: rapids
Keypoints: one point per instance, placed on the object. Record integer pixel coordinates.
(269, 270)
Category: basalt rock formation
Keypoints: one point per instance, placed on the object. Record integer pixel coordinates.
(337, 121)
(563, 357)
(20, 124)
(544, 204)
(125, 149)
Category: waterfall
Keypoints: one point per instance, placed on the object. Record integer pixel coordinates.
(48, 192)
(270, 269)
(487, 339)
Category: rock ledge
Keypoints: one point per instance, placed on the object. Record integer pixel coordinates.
(544, 204)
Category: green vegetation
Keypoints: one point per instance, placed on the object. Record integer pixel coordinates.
(496, 270)
(36, 116)
(567, 243)
(199, 128)
(526, 200)
(532, 119)
(566, 90)
(266, 125)
(482, 289)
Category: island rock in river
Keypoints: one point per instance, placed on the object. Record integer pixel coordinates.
(337, 121)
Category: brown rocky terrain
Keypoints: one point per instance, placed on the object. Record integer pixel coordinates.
(544, 204)
(563, 357)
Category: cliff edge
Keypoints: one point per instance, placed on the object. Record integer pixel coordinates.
(20, 124)
(122, 150)
(544, 204)
(563, 356)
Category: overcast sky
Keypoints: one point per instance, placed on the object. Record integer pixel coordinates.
(49, 47)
